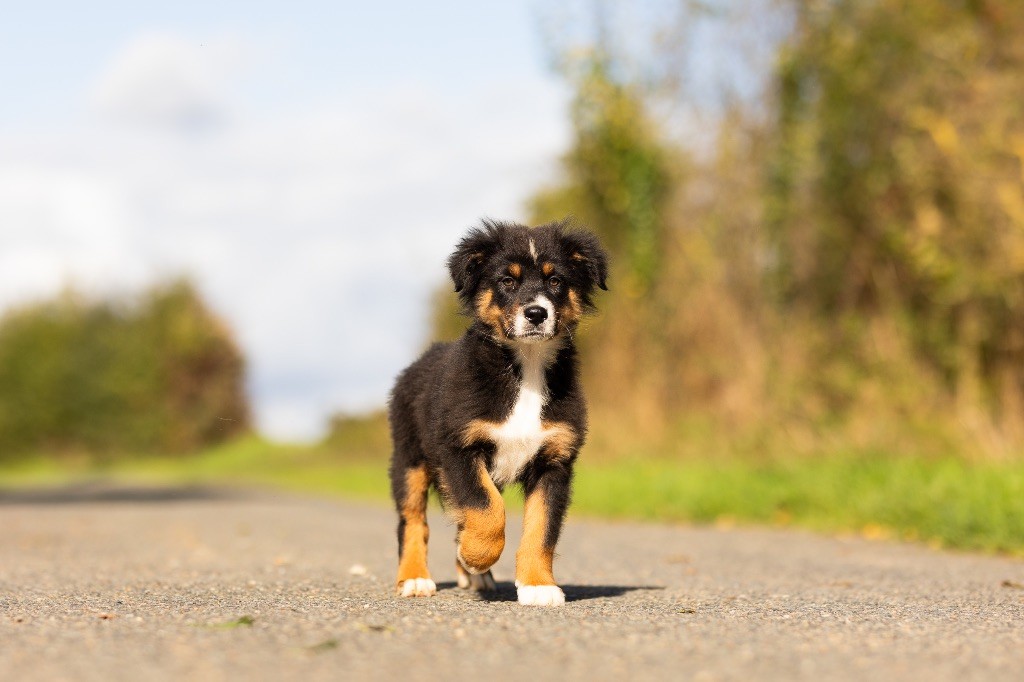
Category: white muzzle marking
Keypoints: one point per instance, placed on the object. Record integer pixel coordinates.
(545, 330)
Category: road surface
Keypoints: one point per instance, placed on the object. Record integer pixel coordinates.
(118, 584)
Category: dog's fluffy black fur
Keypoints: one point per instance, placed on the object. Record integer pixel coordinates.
(501, 405)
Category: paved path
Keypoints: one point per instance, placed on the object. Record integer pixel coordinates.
(184, 584)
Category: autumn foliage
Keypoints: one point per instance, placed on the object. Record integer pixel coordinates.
(841, 267)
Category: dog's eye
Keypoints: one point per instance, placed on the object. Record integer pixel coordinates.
(554, 282)
(508, 282)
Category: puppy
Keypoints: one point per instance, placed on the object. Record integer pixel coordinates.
(501, 405)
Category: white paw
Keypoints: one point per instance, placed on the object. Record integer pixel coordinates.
(419, 587)
(483, 582)
(540, 595)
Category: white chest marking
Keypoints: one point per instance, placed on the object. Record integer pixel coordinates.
(519, 437)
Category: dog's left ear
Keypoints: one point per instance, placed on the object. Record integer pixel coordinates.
(585, 255)
(466, 263)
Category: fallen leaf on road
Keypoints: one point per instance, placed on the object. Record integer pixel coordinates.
(363, 627)
(323, 646)
(242, 621)
(357, 569)
(107, 616)
(1013, 584)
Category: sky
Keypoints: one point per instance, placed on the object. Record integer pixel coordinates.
(309, 165)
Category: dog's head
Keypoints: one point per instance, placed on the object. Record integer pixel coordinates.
(528, 284)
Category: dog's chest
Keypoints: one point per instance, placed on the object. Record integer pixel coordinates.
(521, 435)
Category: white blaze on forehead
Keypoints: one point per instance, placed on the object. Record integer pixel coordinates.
(533, 251)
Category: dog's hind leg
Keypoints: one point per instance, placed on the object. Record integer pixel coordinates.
(409, 486)
(483, 582)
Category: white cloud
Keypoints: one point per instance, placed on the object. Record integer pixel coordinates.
(319, 235)
(162, 80)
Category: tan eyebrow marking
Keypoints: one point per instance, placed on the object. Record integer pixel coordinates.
(548, 268)
(515, 270)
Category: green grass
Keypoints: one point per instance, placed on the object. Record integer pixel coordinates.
(245, 462)
(945, 502)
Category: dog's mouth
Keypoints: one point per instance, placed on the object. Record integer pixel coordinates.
(533, 335)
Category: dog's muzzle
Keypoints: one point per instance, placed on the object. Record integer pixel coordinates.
(536, 321)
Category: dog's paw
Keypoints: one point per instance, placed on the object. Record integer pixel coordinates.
(417, 587)
(540, 595)
(482, 582)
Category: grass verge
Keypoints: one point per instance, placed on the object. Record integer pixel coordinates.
(245, 462)
(944, 502)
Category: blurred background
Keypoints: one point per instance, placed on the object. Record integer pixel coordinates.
(222, 234)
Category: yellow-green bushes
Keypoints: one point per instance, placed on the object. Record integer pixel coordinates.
(158, 373)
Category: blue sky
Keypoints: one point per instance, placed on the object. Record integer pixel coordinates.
(304, 52)
(309, 165)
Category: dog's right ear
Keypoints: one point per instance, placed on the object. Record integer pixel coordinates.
(467, 262)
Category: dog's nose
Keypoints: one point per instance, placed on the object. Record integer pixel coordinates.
(535, 313)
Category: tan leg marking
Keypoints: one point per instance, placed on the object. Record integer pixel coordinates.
(478, 430)
(534, 559)
(413, 563)
(560, 440)
(559, 437)
(482, 531)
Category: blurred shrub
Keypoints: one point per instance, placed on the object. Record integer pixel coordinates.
(896, 191)
(618, 169)
(447, 319)
(359, 436)
(159, 373)
(618, 176)
(838, 262)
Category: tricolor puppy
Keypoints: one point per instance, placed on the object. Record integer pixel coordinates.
(501, 405)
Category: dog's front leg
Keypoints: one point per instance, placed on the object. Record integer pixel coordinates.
(547, 498)
(480, 513)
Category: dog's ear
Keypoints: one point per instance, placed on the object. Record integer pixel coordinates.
(589, 261)
(467, 262)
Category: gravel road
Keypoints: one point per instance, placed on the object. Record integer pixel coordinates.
(112, 584)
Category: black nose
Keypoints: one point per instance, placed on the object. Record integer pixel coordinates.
(535, 314)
